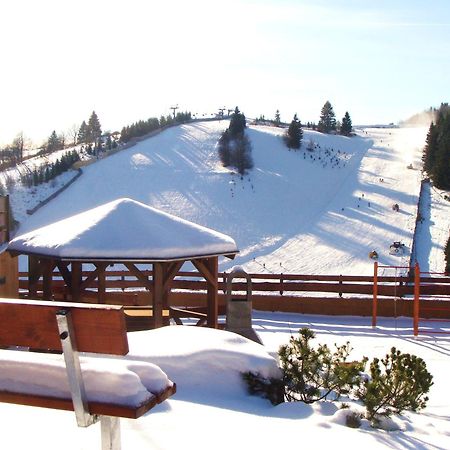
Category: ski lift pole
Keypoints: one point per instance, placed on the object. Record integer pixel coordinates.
(375, 294)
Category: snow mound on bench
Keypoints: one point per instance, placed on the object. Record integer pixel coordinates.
(120, 382)
(202, 359)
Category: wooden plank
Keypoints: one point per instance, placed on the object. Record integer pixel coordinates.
(102, 409)
(29, 323)
(139, 275)
(158, 294)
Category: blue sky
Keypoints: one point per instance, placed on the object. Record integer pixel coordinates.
(381, 61)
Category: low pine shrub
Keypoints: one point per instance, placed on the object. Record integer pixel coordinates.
(397, 382)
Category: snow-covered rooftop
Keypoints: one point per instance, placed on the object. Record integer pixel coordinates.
(124, 229)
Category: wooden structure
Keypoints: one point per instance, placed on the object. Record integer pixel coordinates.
(131, 234)
(307, 293)
(9, 283)
(71, 328)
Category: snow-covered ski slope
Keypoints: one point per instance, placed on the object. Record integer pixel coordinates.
(319, 211)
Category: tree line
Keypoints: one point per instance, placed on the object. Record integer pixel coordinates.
(436, 154)
(142, 127)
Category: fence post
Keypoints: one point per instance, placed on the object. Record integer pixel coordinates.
(281, 284)
(375, 294)
(416, 299)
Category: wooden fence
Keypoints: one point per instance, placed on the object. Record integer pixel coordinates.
(311, 294)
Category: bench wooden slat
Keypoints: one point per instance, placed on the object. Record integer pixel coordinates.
(101, 409)
(29, 323)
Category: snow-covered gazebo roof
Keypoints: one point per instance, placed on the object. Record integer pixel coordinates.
(124, 230)
(128, 232)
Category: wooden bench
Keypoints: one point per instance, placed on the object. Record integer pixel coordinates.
(71, 328)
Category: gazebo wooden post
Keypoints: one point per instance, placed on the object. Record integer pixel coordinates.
(75, 287)
(212, 295)
(34, 273)
(101, 287)
(47, 272)
(158, 294)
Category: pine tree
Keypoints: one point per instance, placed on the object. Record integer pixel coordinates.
(94, 129)
(294, 135)
(346, 125)
(327, 121)
(53, 142)
(237, 123)
(83, 133)
(277, 118)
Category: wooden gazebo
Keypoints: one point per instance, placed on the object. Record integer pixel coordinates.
(129, 233)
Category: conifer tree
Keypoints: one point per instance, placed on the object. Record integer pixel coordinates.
(277, 118)
(53, 143)
(294, 134)
(83, 133)
(327, 121)
(346, 125)
(94, 129)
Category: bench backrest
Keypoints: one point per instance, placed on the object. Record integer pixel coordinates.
(32, 323)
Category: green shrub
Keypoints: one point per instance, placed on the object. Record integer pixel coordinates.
(399, 383)
(312, 374)
(270, 388)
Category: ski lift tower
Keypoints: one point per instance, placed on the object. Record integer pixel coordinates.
(221, 110)
(174, 108)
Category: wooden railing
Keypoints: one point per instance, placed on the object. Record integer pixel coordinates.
(316, 294)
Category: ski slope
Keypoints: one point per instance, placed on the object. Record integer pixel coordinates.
(308, 211)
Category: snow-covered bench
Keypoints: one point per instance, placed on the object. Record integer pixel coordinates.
(93, 386)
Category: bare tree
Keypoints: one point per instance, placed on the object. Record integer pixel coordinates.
(72, 132)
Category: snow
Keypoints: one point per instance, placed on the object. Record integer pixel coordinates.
(293, 213)
(123, 229)
(115, 382)
(212, 407)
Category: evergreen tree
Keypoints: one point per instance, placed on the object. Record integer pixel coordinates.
(237, 123)
(277, 118)
(94, 129)
(83, 133)
(327, 121)
(436, 156)
(53, 143)
(346, 125)
(294, 135)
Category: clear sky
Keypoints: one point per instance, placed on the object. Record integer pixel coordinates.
(381, 60)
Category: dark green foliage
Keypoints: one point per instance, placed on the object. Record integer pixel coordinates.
(83, 133)
(436, 155)
(346, 125)
(234, 146)
(237, 123)
(277, 120)
(399, 383)
(94, 129)
(53, 143)
(447, 256)
(294, 135)
(47, 172)
(270, 388)
(312, 374)
(327, 122)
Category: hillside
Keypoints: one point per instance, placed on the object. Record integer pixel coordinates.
(318, 211)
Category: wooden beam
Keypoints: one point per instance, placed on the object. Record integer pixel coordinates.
(171, 273)
(65, 273)
(202, 265)
(76, 281)
(47, 265)
(34, 273)
(139, 275)
(212, 265)
(158, 294)
(101, 287)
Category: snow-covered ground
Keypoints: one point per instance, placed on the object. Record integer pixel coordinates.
(319, 211)
(212, 409)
